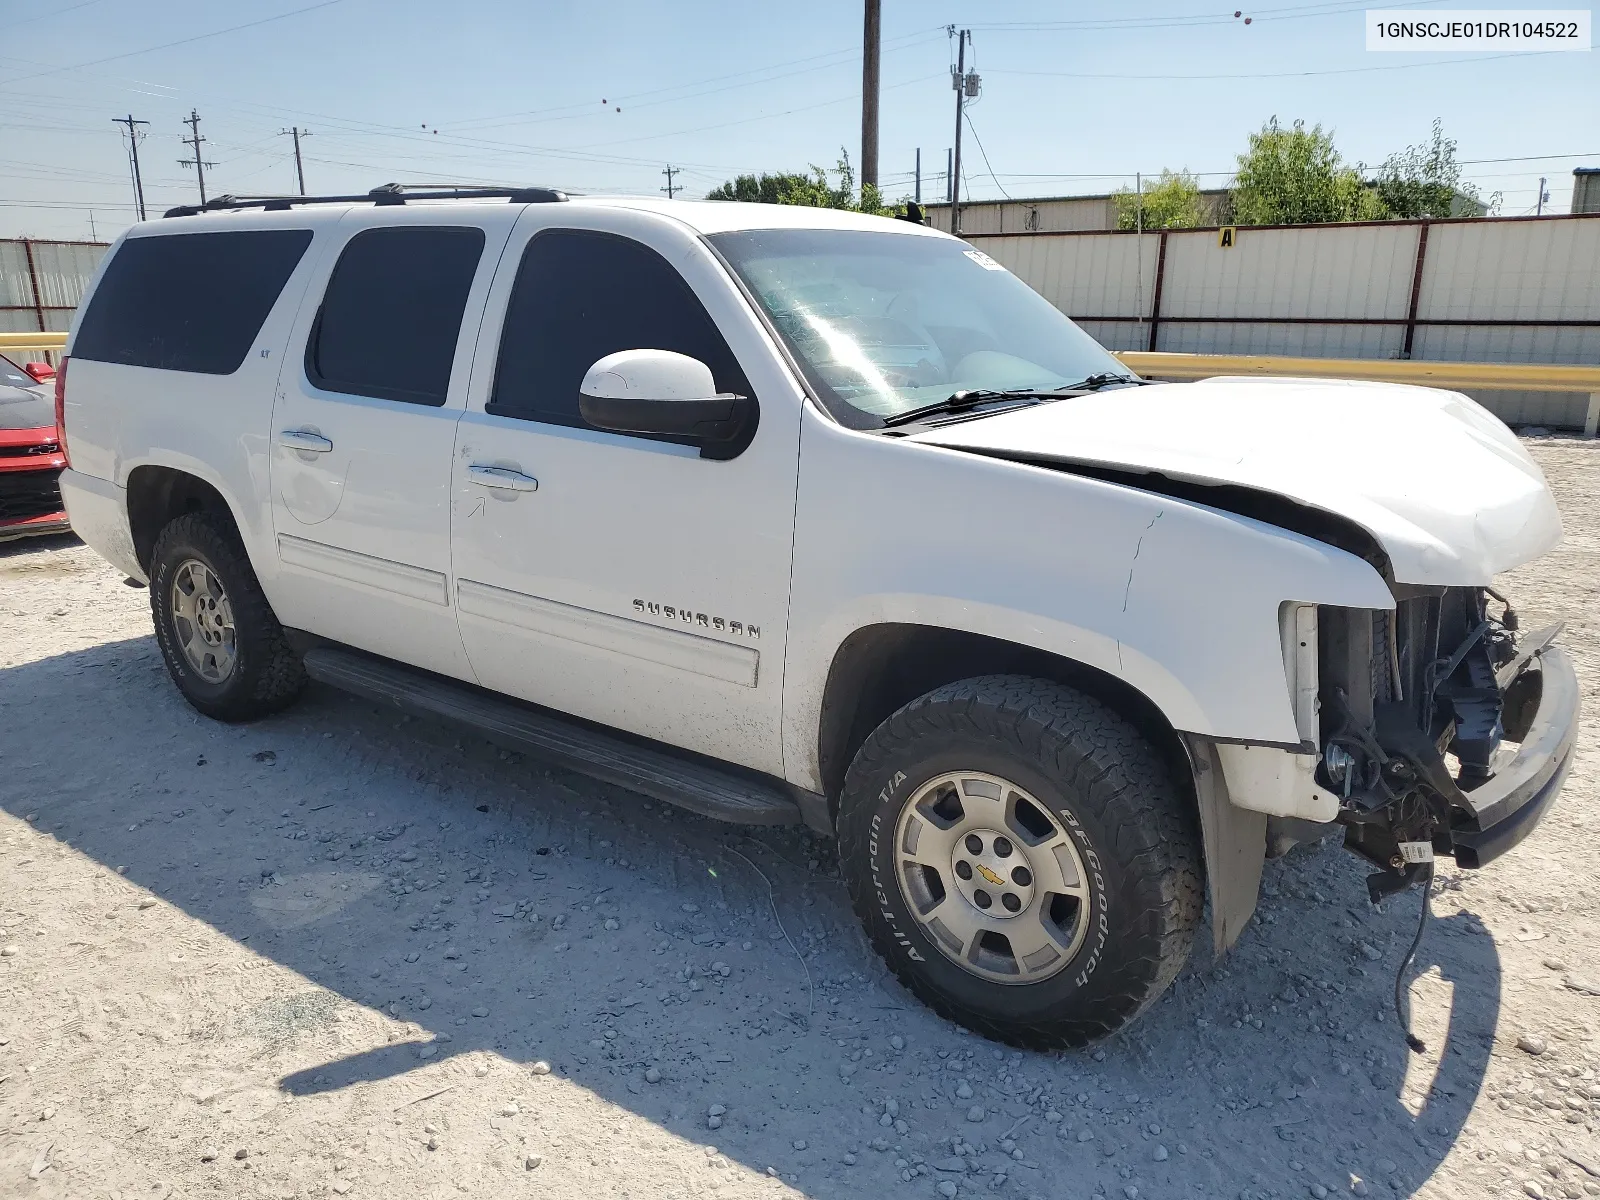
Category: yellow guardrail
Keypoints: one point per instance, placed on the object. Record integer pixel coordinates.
(1520, 377)
(32, 341)
(1516, 377)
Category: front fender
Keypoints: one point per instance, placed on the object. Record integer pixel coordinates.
(1178, 600)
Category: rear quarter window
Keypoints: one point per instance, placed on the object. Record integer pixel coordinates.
(188, 302)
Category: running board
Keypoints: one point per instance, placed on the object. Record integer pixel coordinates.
(697, 786)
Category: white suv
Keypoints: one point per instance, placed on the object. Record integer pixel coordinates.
(789, 515)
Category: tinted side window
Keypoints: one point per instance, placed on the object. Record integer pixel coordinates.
(189, 301)
(392, 313)
(580, 296)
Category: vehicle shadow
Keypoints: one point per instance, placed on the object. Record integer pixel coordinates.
(17, 547)
(508, 909)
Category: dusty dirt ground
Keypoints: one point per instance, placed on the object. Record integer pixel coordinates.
(339, 952)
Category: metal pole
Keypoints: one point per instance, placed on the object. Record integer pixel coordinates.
(919, 175)
(198, 163)
(297, 133)
(961, 97)
(133, 159)
(1539, 210)
(870, 40)
(1138, 245)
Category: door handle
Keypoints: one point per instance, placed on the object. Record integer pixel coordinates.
(503, 478)
(297, 439)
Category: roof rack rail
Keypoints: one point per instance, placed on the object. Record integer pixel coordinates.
(389, 193)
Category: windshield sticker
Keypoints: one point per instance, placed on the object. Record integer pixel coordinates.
(983, 260)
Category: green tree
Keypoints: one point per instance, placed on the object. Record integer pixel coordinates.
(813, 190)
(759, 189)
(1171, 202)
(1425, 181)
(1296, 176)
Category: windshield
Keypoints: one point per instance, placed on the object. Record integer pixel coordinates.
(12, 375)
(889, 322)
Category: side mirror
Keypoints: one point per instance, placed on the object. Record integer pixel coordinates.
(40, 371)
(666, 393)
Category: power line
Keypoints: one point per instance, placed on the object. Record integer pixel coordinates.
(901, 42)
(1333, 8)
(199, 164)
(1407, 66)
(199, 37)
(133, 158)
(985, 154)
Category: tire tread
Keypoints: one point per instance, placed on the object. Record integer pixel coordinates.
(1114, 771)
(274, 676)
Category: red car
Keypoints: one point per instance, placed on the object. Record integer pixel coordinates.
(30, 455)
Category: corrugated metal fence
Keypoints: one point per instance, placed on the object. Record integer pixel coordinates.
(42, 282)
(1474, 290)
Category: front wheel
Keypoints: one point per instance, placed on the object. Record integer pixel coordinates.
(1021, 859)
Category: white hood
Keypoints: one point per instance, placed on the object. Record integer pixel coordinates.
(1442, 484)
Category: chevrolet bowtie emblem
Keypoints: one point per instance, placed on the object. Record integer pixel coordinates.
(990, 876)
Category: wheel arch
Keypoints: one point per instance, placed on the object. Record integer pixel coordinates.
(157, 494)
(881, 667)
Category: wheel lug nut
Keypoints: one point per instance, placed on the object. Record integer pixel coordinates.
(1011, 903)
(1002, 847)
(1022, 877)
(964, 869)
(974, 844)
(982, 898)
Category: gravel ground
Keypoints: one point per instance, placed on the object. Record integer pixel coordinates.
(341, 952)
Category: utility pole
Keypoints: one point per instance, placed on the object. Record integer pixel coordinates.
(958, 81)
(297, 133)
(870, 40)
(1543, 196)
(199, 164)
(949, 190)
(671, 189)
(919, 175)
(133, 158)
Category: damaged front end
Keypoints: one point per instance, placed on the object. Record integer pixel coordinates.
(1444, 730)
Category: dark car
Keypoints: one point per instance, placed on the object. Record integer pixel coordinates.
(30, 456)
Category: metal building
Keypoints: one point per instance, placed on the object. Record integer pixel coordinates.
(1586, 190)
(41, 283)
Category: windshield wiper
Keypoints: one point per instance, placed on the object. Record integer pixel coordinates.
(964, 401)
(1095, 382)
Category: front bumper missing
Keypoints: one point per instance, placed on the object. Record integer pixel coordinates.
(1504, 810)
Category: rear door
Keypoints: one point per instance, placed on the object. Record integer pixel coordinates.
(624, 578)
(364, 423)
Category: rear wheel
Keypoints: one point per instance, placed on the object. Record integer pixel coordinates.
(222, 643)
(1021, 859)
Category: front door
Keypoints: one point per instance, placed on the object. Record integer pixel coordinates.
(624, 579)
(363, 427)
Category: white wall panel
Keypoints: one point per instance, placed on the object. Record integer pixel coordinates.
(1089, 275)
(1346, 271)
(1546, 269)
(1306, 341)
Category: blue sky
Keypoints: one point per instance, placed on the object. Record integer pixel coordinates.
(1076, 97)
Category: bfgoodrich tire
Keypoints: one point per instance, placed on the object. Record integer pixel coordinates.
(222, 643)
(1021, 859)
